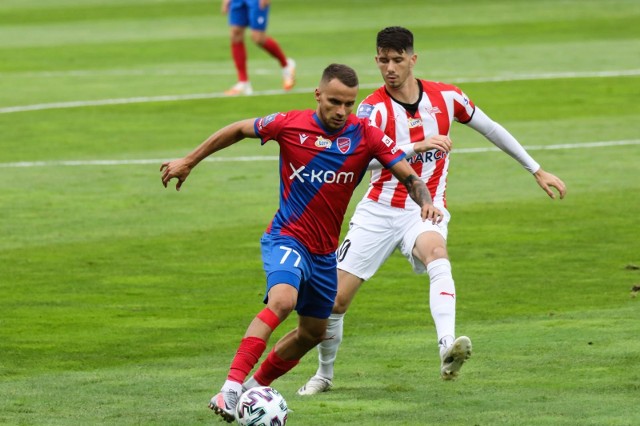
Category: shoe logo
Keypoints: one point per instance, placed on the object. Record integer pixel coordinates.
(303, 138)
(444, 293)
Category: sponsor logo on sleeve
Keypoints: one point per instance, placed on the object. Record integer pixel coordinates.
(264, 121)
(364, 110)
(387, 140)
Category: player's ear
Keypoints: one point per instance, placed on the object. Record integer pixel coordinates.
(317, 95)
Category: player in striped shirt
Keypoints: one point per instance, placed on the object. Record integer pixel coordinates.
(323, 156)
(410, 110)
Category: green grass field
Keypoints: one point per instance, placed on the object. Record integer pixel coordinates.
(122, 303)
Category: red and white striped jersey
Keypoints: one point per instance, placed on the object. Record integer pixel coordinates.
(439, 105)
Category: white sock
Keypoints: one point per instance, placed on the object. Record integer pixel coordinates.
(442, 300)
(328, 348)
(250, 383)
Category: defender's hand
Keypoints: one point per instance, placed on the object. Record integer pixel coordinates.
(178, 169)
(432, 213)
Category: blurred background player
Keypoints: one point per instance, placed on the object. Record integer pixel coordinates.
(323, 156)
(410, 110)
(253, 14)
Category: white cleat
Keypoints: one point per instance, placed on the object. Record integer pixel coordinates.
(289, 75)
(454, 356)
(240, 88)
(315, 385)
(224, 405)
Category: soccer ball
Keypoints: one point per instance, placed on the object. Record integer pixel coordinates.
(261, 406)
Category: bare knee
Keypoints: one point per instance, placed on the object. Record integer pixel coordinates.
(436, 253)
(258, 37)
(430, 246)
(341, 304)
(282, 300)
(282, 307)
(348, 285)
(236, 34)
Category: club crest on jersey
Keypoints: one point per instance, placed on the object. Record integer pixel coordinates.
(323, 143)
(343, 144)
(415, 122)
(264, 121)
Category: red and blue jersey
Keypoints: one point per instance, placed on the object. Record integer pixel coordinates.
(319, 170)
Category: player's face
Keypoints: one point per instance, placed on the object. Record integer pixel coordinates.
(396, 68)
(335, 102)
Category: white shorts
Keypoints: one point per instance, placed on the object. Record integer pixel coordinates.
(376, 230)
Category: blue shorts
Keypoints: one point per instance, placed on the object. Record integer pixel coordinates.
(286, 261)
(247, 13)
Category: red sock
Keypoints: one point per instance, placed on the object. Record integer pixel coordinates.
(272, 46)
(272, 368)
(239, 54)
(248, 354)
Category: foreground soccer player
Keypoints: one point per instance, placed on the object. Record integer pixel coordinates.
(409, 110)
(323, 156)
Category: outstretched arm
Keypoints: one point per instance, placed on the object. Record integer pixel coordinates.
(417, 191)
(507, 143)
(221, 139)
(439, 142)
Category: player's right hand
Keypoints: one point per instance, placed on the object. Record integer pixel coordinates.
(432, 213)
(178, 169)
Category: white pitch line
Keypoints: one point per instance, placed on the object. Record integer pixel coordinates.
(194, 96)
(25, 164)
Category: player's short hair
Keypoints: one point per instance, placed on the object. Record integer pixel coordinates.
(345, 74)
(399, 39)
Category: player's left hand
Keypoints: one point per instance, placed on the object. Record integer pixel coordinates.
(432, 213)
(547, 181)
(178, 169)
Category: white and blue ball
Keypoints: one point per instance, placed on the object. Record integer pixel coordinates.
(261, 406)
